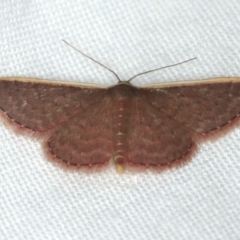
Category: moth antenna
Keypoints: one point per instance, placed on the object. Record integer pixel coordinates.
(119, 80)
(156, 69)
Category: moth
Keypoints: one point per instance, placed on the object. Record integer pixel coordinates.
(87, 125)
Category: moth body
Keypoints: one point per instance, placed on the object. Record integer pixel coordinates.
(86, 125)
(122, 96)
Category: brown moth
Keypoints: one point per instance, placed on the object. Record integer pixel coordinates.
(87, 125)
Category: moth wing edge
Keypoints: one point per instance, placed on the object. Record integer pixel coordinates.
(194, 82)
(52, 82)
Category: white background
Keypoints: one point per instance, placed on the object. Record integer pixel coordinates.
(39, 200)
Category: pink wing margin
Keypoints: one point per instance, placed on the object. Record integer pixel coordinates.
(170, 119)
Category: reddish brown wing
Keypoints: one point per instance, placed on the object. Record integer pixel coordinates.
(40, 105)
(154, 138)
(168, 118)
(202, 107)
(86, 139)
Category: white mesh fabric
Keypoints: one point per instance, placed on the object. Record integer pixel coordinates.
(39, 200)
